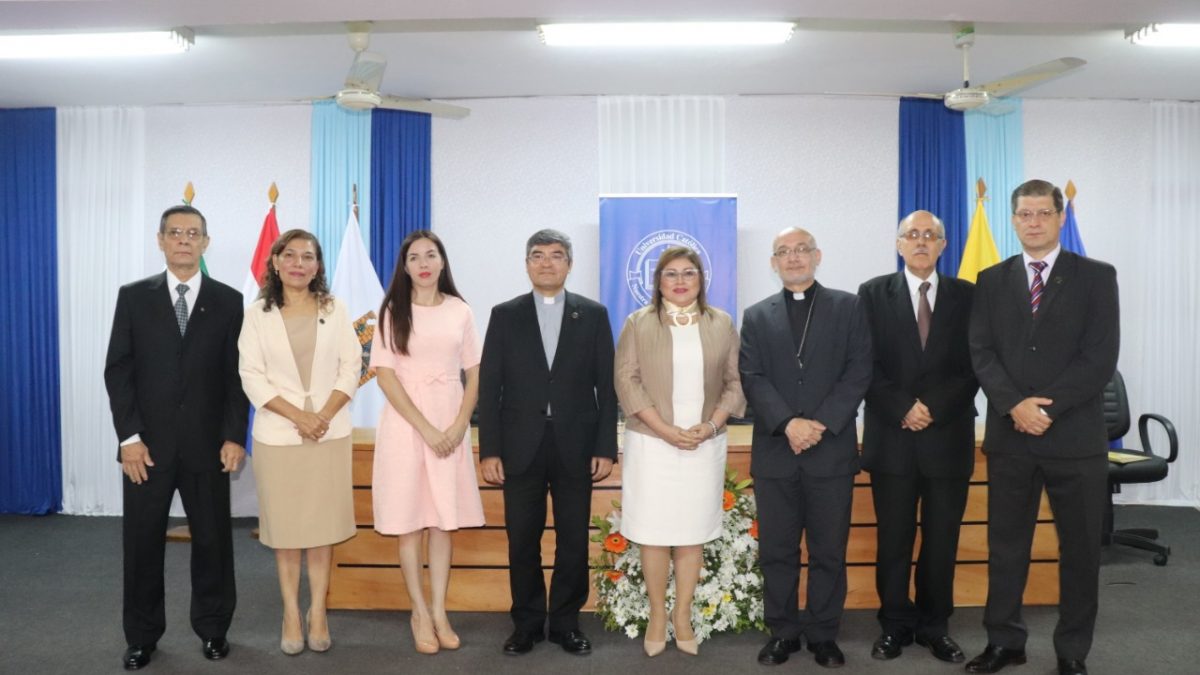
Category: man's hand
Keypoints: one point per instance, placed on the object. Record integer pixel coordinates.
(1028, 417)
(601, 467)
(135, 457)
(492, 469)
(917, 418)
(802, 434)
(232, 455)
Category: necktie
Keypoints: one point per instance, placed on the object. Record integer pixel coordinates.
(924, 314)
(1038, 287)
(181, 308)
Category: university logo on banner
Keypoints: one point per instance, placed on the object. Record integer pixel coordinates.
(634, 232)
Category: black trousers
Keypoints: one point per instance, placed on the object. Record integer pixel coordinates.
(525, 522)
(1078, 491)
(942, 502)
(205, 497)
(818, 507)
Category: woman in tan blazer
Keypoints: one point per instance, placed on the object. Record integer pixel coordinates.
(300, 362)
(677, 381)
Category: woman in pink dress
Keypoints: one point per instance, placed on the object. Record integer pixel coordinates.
(424, 473)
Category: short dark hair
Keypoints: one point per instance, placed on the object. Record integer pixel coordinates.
(548, 237)
(186, 209)
(1038, 188)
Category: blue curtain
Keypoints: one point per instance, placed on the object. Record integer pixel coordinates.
(341, 158)
(400, 167)
(933, 170)
(30, 439)
(996, 153)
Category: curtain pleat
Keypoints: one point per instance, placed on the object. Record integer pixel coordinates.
(341, 159)
(662, 144)
(933, 170)
(996, 153)
(401, 148)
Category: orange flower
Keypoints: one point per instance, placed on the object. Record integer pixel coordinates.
(615, 543)
(754, 528)
(614, 575)
(730, 498)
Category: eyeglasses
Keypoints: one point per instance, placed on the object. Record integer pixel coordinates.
(1026, 216)
(927, 235)
(690, 274)
(175, 234)
(800, 250)
(537, 257)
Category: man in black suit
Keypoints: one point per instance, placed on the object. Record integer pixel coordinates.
(1044, 340)
(918, 437)
(180, 416)
(547, 422)
(805, 363)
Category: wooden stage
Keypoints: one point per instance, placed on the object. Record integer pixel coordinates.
(366, 573)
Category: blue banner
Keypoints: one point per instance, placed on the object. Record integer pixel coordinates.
(635, 230)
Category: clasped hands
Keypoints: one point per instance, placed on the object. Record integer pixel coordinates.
(443, 443)
(311, 425)
(1029, 418)
(687, 439)
(803, 434)
(917, 418)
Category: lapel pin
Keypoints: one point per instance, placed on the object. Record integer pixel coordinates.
(574, 315)
(1058, 280)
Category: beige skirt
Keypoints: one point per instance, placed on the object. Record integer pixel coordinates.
(305, 493)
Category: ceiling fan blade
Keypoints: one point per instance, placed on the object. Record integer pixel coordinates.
(1031, 77)
(435, 108)
(366, 72)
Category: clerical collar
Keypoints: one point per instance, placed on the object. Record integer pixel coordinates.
(551, 299)
(800, 296)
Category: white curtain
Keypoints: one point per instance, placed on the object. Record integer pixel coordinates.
(1160, 360)
(101, 238)
(662, 144)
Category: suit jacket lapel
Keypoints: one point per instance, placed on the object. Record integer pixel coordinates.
(1061, 274)
(529, 329)
(198, 311)
(162, 306)
(906, 321)
(1017, 284)
(568, 331)
(947, 299)
(781, 325)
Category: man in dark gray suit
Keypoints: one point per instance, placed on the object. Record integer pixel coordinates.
(1044, 340)
(547, 423)
(918, 437)
(805, 363)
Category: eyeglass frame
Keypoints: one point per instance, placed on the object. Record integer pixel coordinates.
(1025, 216)
(179, 234)
(928, 235)
(538, 257)
(688, 274)
(801, 250)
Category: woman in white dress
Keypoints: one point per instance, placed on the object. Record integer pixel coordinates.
(677, 381)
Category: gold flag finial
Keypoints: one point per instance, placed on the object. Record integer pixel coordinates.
(273, 193)
(980, 188)
(1070, 190)
(189, 193)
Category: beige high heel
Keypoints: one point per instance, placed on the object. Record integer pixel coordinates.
(423, 646)
(686, 646)
(317, 644)
(447, 638)
(654, 647)
(291, 647)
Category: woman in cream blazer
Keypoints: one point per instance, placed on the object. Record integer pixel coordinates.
(677, 380)
(300, 362)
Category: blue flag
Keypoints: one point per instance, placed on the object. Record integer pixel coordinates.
(1071, 241)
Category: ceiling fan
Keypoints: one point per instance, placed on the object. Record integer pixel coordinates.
(361, 90)
(970, 97)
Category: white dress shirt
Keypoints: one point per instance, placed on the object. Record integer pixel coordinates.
(1049, 259)
(914, 290)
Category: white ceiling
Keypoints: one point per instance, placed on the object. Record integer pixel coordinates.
(285, 50)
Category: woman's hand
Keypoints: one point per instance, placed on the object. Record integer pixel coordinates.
(701, 432)
(437, 440)
(455, 433)
(310, 424)
(679, 438)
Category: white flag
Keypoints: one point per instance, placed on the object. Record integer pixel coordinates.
(357, 286)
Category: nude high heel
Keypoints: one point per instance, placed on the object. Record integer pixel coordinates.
(317, 644)
(422, 646)
(446, 637)
(686, 646)
(291, 647)
(654, 647)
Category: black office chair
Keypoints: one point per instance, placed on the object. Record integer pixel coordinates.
(1116, 418)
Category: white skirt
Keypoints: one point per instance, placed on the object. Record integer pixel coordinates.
(671, 497)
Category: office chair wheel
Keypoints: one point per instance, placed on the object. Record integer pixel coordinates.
(1161, 560)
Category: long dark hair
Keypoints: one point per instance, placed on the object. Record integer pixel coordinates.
(668, 256)
(397, 302)
(272, 285)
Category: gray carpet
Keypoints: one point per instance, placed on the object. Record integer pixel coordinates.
(60, 600)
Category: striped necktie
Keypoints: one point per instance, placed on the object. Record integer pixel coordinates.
(181, 308)
(1038, 287)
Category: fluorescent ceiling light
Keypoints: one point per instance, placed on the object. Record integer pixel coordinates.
(1166, 35)
(673, 34)
(83, 45)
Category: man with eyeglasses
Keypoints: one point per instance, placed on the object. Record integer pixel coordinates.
(918, 437)
(547, 422)
(1044, 337)
(180, 416)
(805, 363)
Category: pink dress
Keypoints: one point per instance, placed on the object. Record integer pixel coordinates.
(412, 487)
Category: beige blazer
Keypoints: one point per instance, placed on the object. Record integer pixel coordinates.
(268, 369)
(644, 366)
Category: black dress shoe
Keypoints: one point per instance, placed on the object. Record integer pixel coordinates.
(888, 646)
(521, 642)
(137, 656)
(777, 650)
(827, 654)
(943, 648)
(216, 649)
(994, 658)
(1071, 667)
(572, 642)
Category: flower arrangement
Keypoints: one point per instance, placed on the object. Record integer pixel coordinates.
(729, 595)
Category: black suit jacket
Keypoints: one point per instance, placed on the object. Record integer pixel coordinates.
(1068, 353)
(837, 372)
(182, 394)
(516, 385)
(940, 376)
